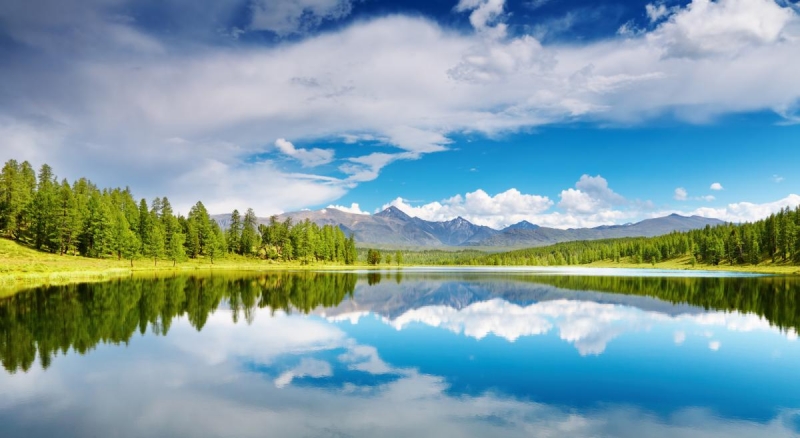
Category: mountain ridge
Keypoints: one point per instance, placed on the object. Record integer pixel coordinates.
(393, 227)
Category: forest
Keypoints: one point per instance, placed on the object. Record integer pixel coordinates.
(79, 218)
(774, 239)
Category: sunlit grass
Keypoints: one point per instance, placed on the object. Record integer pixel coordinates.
(684, 263)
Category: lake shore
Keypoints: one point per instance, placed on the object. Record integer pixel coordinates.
(23, 268)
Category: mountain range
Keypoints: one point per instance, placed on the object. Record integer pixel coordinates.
(394, 228)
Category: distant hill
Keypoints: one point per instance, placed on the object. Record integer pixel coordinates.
(542, 236)
(392, 227)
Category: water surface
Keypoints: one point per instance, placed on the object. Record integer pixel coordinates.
(466, 353)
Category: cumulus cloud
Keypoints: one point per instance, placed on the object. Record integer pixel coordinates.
(591, 203)
(480, 208)
(716, 186)
(655, 12)
(588, 325)
(747, 211)
(485, 16)
(353, 208)
(307, 157)
(286, 17)
(708, 27)
(120, 91)
(681, 194)
(591, 194)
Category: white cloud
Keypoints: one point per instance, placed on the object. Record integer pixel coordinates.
(656, 12)
(714, 345)
(353, 208)
(591, 203)
(479, 207)
(728, 27)
(307, 157)
(777, 178)
(591, 195)
(747, 211)
(588, 325)
(682, 195)
(406, 81)
(485, 16)
(716, 186)
(307, 368)
(286, 17)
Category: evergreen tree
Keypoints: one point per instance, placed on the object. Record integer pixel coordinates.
(199, 217)
(234, 236)
(216, 242)
(129, 245)
(69, 219)
(154, 243)
(176, 250)
(249, 237)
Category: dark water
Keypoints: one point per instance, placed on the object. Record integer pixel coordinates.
(460, 354)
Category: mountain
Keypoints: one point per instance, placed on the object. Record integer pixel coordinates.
(393, 227)
(542, 236)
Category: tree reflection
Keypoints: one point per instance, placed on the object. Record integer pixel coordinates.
(53, 320)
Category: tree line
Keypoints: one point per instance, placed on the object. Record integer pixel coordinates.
(79, 218)
(771, 240)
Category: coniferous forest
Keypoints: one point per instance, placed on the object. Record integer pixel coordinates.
(74, 218)
(774, 239)
(79, 218)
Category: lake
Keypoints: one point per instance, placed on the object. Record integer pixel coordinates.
(413, 353)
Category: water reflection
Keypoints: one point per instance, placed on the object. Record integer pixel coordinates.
(314, 354)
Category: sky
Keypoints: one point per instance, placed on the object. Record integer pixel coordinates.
(563, 113)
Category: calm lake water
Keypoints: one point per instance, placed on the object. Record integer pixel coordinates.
(411, 354)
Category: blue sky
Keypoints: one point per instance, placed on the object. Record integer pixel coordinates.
(563, 113)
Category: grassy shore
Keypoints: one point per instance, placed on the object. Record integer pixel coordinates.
(22, 267)
(684, 264)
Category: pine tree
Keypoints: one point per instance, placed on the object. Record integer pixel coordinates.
(249, 235)
(69, 219)
(130, 245)
(176, 250)
(216, 243)
(154, 243)
(234, 236)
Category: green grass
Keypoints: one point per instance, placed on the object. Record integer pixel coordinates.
(22, 267)
(683, 263)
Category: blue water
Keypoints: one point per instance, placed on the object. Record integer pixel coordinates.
(441, 355)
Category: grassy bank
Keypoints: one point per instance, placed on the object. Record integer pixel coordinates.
(22, 267)
(684, 263)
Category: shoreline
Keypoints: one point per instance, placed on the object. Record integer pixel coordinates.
(15, 281)
(24, 268)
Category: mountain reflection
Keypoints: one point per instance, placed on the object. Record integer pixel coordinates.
(52, 320)
(344, 354)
